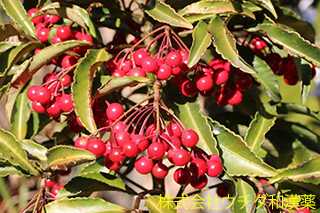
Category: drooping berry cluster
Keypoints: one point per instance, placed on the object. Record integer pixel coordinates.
(55, 184)
(143, 133)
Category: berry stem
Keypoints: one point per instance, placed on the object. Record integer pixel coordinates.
(147, 36)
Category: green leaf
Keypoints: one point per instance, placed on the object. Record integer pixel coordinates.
(192, 117)
(287, 108)
(111, 84)
(307, 172)
(290, 41)
(216, 7)
(234, 149)
(9, 29)
(266, 4)
(225, 45)
(12, 56)
(17, 13)
(12, 150)
(20, 117)
(195, 18)
(245, 197)
(201, 41)
(36, 150)
(7, 45)
(83, 205)
(7, 169)
(83, 77)
(259, 126)
(90, 182)
(95, 166)
(159, 204)
(29, 67)
(164, 13)
(266, 77)
(75, 14)
(67, 156)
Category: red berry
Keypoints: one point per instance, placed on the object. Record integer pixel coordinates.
(56, 39)
(66, 103)
(164, 72)
(258, 43)
(189, 138)
(303, 210)
(141, 142)
(111, 66)
(182, 176)
(66, 80)
(50, 183)
(68, 61)
(65, 173)
(74, 126)
(31, 92)
(174, 129)
(149, 64)
(42, 34)
(38, 107)
(55, 190)
(81, 143)
(110, 164)
(130, 149)
(116, 155)
(43, 95)
(291, 75)
(208, 93)
(114, 111)
(96, 146)
(173, 59)
(220, 77)
(119, 126)
(204, 83)
(244, 82)
(37, 19)
(125, 64)
(235, 97)
(118, 73)
(51, 19)
(223, 191)
(122, 137)
(64, 33)
(214, 168)
(143, 165)
(180, 157)
(198, 167)
(189, 88)
(53, 108)
(215, 157)
(139, 55)
(137, 72)
(160, 170)
(198, 182)
(156, 150)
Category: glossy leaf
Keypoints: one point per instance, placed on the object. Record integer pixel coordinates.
(95, 166)
(225, 44)
(6, 45)
(216, 7)
(239, 159)
(201, 41)
(110, 84)
(259, 126)
(266, 77)
(90, 182)
(17, 13)
(35, 150)
(12, 150)
(83, 205)
(164, 13)
(192, 118)
(307, 172)
(266, 4)
(75, 14)
(9, 29)
(195, 18)
(29, 67)
(67, 156)
(288, 108)
(83, 77)
(8, 169)
(157, 204)
(291, 42)
(245, 197)
(20, 117)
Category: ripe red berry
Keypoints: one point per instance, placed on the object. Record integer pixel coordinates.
(114, 111)
(42, 95)
(118, 73)
(223, 191)
(137, 72)
(235, 97)
(139, 55)
(189, 88)
(180, 157)
(66, 80)
(141, 142)
(125, 64)
(164, 72)
(173, 59)
(111, 66)
(42, 34)
(110, 164)
(96, 146)
(81, 143)
(56, 39)
(116, 155)
(37, 19)
(244, 82)
(74, 126)
(182, 176)
(55, 190)
(204, 83)
(208, 93)
(119, 126)
(68, 61)
(198, 182)
(143, 165)
(258, 43)
(50, 183)
(220, 77)
(198, 167)
(53, 108)
(64, 33)
(160, 170)
(31, 92)
(156, 150)
(189, 138)
(149, 64)
(65, 172)
(174, 129)
(130, 149)
(214, 168)
(122, 137)
(290, 76)
(66, 103)
(38, 107)
(303, 210)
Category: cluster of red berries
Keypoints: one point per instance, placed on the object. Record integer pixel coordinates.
(55, 184)
(133, 135)
(45, 23)
(281, 66)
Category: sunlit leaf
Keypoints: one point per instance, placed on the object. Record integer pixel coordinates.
(7, 169)
(35, 150)
(267, 4)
